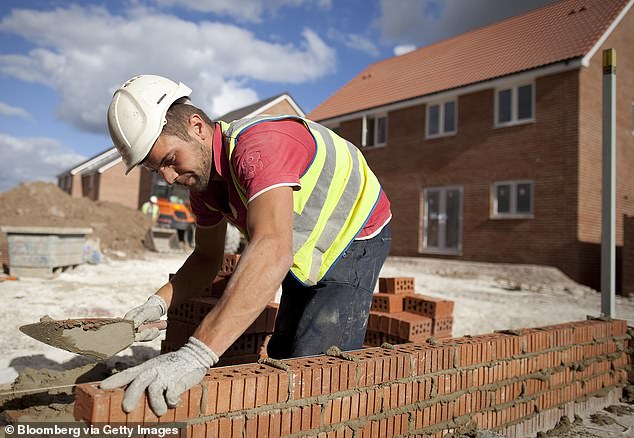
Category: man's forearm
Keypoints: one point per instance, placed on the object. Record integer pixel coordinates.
(263, 265)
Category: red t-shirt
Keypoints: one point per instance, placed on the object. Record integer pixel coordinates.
(267, 155)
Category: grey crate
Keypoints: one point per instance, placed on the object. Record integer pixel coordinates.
(44, 251)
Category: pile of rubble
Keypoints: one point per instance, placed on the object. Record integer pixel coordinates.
(120, 229)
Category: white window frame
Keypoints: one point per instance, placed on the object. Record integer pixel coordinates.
(513, 214)
(364, 130)
(514, 105)
(422, 225)
(441, 118)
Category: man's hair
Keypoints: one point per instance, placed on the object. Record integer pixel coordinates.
(177, 116)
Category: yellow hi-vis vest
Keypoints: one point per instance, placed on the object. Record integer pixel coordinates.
(338, 194)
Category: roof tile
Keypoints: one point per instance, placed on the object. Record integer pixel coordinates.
(562, 31)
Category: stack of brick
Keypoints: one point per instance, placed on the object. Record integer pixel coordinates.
(184, 318)
(398, 315)
(515, 382)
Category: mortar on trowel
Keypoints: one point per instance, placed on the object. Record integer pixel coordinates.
(100, 338)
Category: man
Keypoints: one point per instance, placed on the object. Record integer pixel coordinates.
(314, 213)
(151, 208)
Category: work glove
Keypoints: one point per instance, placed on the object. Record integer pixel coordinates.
(152, 310)
(166, 376)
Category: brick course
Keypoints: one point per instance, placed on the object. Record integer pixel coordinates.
(515, 382)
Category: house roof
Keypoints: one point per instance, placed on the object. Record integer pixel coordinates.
(563, 31)
(89, 164)
(260, 108)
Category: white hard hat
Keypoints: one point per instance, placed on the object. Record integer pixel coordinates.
(136, 115)
(153, 199)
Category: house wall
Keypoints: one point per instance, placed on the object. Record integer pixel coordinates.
(590, 147)
(479, 155)
(282, 107)
(146, 182)
(90, 186)
(115, 186)
(627, 261)
(76, 187)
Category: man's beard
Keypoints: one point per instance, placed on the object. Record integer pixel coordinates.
(202, 176)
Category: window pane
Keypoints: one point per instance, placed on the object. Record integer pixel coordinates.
(452, 230)
(450, 117)
(524, 194)
(504, 106)
(433, 204)
(433, 124)
(381, 133)
(503, 196)
(369, 133)
(525, 102)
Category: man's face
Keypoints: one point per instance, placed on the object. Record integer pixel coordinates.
(187, 163)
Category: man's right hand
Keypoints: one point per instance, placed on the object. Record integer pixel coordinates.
(152, 310)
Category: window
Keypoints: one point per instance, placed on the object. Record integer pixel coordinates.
(512, 199)
(442, 220)
(514, 105)
(375, 131)
(441, 119)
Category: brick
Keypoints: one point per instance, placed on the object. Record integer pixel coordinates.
(409, 327)
(229, 264)
(442, 327)
(428, 306)
(396, 285)
(388, 303)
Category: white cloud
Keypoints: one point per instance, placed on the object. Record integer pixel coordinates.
(31, 159)
(13, 111)
(355, 41)
(232, 96)
(242, 10)
(402, 49)
(85, 53)
(423, 22)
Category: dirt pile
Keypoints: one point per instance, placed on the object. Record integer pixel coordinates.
(120, 229)
(46, 395)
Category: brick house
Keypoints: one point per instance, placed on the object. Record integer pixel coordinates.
(102, 177)
(488, 144)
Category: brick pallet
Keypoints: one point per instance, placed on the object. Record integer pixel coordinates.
(517, 383)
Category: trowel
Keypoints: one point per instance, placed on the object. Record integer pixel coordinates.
(96, 337)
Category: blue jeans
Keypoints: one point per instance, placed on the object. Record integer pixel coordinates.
(334, 311)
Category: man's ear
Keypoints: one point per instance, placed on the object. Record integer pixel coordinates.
(197, 124)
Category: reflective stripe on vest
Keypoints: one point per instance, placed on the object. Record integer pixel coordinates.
(338, 194)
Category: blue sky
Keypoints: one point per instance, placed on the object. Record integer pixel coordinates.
(61, 60)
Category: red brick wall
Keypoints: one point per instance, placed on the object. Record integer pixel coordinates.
(627, 261)
(283, 107)
(544, 151)
(115, 186)
(590, 143)
(76, 187)
(509, 382)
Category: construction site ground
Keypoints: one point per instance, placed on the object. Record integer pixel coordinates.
(487, 297)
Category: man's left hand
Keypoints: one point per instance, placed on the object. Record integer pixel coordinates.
(166, 376)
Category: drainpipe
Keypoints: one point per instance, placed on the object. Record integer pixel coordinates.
(608, 238)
